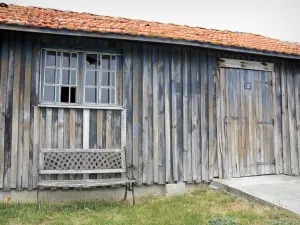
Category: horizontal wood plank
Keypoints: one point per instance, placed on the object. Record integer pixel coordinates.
(246, 64)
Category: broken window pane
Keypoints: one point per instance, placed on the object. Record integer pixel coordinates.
(49, 93)
(66, 59)
(105, 62)
(91, 61)
(65, 76)
(50, 58)
(50, 76)
(73, 95)
(104, 95)
(64, 94)
(74, 60)
(90, 95)
(105, 79)
(91, 78)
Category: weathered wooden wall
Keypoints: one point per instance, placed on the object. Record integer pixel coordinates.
(170, 94)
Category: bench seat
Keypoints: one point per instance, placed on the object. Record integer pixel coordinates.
(84, 183)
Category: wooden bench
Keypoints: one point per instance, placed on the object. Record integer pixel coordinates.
(85, 162)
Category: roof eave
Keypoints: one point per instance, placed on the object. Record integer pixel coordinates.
(144, 39)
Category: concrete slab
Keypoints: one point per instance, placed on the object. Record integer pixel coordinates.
(279, 190)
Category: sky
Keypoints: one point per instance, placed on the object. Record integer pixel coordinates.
(278, 19)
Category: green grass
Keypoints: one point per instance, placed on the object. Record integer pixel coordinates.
(204, 206)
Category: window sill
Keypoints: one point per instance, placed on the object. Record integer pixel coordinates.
(81, 107)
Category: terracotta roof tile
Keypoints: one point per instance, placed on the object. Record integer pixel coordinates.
(56, 19)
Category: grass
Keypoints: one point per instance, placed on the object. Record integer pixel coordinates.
(204, 206)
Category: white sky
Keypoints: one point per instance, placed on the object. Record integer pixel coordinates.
(273, 18)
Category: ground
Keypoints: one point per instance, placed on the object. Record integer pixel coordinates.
(204, 206)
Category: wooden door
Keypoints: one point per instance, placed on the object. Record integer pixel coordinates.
(249, 121)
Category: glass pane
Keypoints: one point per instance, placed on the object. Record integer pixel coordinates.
(105, 62)
(73, 95)
(105, 79)
(74, 60)
(104, 95)
(91, 78)
(57, 89)
(58, 57)
(66, 59)
(91, 61)
(112, 96)
(50, 58)
(90, 95)
(49, 93)
(64, 96)
(113, 79)
(50, 76)
(73, 77)
(113, 63)
(65, 76)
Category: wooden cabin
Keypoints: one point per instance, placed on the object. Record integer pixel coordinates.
(185, 104)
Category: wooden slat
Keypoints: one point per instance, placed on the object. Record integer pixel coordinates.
(93, 129)
(86, 133)
(36, 145)
(65, 150)
(108, 129)
(99, 129)
(8, 112)
(155, 114)
(167, 114)
(3, 87)
(123, 141)
(72, 132)
(195, 147)
(229, 79)
(48, 132)
(15, 113)
(135, 115)
(60, 133)
(85, 172)
(285, 128)
(25, 161)
(174, 73)
(161, 118)
(146, 74)
(186, 144)
(246, 64)
(204, 117)
(297, 100)
(292, 121)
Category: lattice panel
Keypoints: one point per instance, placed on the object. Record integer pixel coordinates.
(82, 160)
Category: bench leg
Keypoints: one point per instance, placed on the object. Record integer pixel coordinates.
(133, 197)
(126, 189)
(38, 199)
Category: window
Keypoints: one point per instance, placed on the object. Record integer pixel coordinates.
(100, 79)
(81, 78)
(60, 76)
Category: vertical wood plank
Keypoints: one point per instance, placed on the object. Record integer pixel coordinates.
(72, 133)
(15, 113)
(60, 133)
(48, 136)
(135, 115)
(3, 87)
(99, 129)
(25, 161)
(8, 112)
(285, 128)
(292, 120)
(174, 73)
(161, 118)
(204, 116)
(155, 114)
(86, 133)
(278, 119)
(186, 146)
(167, 113)
(36, 145)
(195, 147)
(108, 129)
(297, 100)
(146, 74)
(93, 129)
(150, 169)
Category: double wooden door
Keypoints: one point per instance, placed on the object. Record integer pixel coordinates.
(249, 121)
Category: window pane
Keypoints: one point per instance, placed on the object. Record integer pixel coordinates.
(66, 59)
(58, 57)
(105, 62)
(104, 95)
(64, 96)
(90, 95)
(49, 93)
(57, 89)
(73, 77)
(91, 61)
(74, 60)
(112, 96)
(65, 76)
(91, 78)
(50, 76)
(113, 79)
(113, 63)
(73, 95)
(105, 79)
(50, 58)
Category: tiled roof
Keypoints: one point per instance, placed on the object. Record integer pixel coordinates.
(56, 19)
